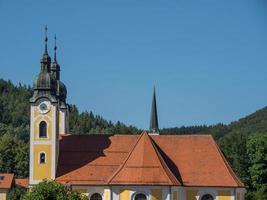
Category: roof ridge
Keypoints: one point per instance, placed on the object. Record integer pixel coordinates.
(162, 164)
(227, 165)
(166, 168)
(124, 162)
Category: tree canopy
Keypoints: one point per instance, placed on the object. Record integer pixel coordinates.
(50, 190)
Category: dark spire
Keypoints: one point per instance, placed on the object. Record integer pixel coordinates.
(45, 60)
(154, 126)
(55, 68)
(46, 39)
(55, 49)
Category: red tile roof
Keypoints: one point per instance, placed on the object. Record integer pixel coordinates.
(198, 160)
(6, 181)
(189, 160)
(143, 166)
(22, 182)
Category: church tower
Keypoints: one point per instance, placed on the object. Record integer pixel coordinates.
(49, 118)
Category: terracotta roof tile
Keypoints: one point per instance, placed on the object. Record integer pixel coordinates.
(6, 181)
(92, 158)
(192, 160)
(144, 165)
(198, 160)
(22, 182)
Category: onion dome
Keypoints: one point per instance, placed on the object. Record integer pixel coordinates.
(43, 81)
(61, 91)
(45, 85)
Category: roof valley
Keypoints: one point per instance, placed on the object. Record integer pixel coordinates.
(138, 153)
(124, 162)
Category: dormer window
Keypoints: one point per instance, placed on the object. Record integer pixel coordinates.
(42, 129)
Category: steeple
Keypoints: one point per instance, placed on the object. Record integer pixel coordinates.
(45, 60)
(46, 39)
(154, 127)
(45, 84)
(55, 67)
(55, 49)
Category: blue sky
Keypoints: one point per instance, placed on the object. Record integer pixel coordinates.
(208, 59)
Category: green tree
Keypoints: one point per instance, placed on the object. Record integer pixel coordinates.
(16, 193)
(261, 192)
(50, 190)
(234, 148)
(257, 153)
(14, 156)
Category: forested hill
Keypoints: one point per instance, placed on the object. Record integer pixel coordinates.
(253, 123)
(243, 142)
(15, 115)
(14, 118)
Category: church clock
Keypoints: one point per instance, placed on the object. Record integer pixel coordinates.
(44, 107)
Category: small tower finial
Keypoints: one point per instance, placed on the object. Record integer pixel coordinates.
(46, 39)
(55, 49)
(154, 126)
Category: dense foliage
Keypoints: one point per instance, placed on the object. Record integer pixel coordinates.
(52, 190)
(88, 123)
(14, 156)
(16, 193)
(244, 142)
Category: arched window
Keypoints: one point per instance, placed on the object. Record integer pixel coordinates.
(42, 129)
(140, 196)
(207, 197)
(42, 158)
(96, 196)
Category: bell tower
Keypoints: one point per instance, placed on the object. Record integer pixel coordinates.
(49, 118)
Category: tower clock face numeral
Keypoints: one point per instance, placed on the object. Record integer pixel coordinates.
(44, 107)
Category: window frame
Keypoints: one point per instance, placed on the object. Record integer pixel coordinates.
(207, 193)
(96, 193)
(45, 160)
(140, 192)
(46, 129)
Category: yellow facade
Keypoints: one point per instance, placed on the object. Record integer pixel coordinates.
(49, 129)
(156, 194)
(224, 195)
(38, 117)
(61, 123)
(124, 194)
(191, 195)
(238, 196)
(107, 194)
(42, 171)
(3, 194)
(175, 195)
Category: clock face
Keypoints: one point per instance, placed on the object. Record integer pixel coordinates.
(44, 107)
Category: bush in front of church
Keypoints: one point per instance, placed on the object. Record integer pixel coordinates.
(52, 190)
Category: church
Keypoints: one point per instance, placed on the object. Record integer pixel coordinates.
(145, 166)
